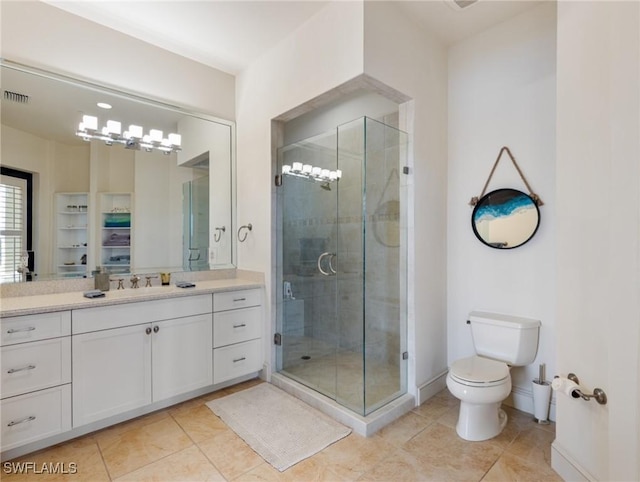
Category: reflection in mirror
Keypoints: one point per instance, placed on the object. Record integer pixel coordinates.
(112, 199)
(505, 218)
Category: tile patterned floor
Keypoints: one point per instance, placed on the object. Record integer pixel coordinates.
(188, 442)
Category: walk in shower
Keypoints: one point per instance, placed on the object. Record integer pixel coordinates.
(341, 270)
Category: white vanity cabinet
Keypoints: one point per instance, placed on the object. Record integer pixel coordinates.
(131, 355)
(35, 389)
(237, 334)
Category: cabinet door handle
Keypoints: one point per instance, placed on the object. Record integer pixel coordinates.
(30, 418)
(28, 367)
(18, 330)
(239, 299)
(148, 330)
(156, 329)
(236, 360)
(241, 325)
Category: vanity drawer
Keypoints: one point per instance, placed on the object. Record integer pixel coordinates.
(231, 300)
(21, 329)
(235, 326)
(115, 316)
(233, 361)
(34, 366)
(35, 416)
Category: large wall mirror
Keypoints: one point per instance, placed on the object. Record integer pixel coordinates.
(139, 187)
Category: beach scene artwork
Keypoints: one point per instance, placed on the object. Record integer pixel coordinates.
(505, 218)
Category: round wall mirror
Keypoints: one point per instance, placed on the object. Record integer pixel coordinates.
(505, 218)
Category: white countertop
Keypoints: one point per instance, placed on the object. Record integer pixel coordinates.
(34, 304)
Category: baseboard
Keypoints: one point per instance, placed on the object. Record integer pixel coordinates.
(430, 388)
(567, 467)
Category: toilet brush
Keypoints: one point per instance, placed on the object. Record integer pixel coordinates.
(541, 397)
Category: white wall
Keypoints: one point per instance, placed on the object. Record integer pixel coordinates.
(346, 109)
(52, 162)
(322, 53)
(598, 225)
(44, 36)
(406, 58)
(330, 49)
(502, 93)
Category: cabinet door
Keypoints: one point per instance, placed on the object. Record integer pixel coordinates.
(35, 416)
(182, 355)
(235, 326)
(111, 372)
(234, 361)
(27, 367)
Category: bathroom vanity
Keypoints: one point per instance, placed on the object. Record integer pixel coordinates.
(72, 365)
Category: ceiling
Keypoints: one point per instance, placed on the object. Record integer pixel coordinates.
(229, 35)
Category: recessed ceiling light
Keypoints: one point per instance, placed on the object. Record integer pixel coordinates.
(103, 105)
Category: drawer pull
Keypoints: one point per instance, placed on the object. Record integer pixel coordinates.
(236, 360)
(239, 299)
(28, 367)
(18, 330)
(241, 325)
(30, 418)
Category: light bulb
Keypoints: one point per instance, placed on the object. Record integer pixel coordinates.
(175, 139)
(90, 122)
(156, 135)
(114, 127)
(135, 131)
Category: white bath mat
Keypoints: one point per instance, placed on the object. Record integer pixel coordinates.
(279, 427)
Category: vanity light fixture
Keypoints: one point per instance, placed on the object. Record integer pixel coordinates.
(314, 173)
(133, 138)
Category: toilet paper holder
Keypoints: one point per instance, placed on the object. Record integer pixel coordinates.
(598, 393)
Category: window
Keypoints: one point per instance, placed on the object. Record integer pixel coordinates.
(15, 233)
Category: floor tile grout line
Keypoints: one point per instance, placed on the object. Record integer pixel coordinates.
(154, 461)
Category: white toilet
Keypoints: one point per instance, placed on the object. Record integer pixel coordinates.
(482, 382)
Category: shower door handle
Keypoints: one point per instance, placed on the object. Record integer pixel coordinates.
(331, 271)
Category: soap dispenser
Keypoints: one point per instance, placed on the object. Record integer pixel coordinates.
(101, 277)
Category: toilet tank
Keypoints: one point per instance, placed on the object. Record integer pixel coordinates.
(511, 339)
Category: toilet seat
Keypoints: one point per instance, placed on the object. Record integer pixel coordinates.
(477, 371)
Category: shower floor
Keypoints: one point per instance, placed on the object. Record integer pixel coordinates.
(340, 374)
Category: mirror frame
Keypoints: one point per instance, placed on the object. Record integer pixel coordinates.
(94, 85)
(484, 200)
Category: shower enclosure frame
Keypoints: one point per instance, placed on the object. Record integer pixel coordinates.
(374, 345)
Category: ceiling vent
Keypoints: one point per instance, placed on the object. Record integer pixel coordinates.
(461, 4)
(16, 97)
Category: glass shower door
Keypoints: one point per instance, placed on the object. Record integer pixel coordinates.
(307, 291)
(195, 218)
(341, 267)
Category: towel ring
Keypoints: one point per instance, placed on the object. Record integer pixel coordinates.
(218, 233)
(248, 227)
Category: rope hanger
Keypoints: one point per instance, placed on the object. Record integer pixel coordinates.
(535, 197)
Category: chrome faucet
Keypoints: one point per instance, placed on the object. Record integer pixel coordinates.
(134, 281)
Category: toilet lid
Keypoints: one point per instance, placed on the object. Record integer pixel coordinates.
(476, 369)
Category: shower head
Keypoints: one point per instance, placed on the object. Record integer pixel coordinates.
(326, 186)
